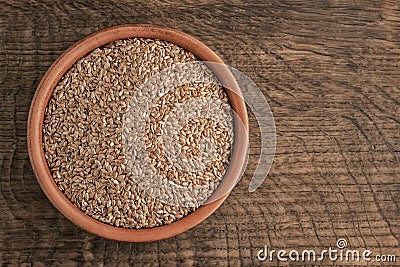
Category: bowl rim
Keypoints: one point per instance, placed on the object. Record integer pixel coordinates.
(42, 97)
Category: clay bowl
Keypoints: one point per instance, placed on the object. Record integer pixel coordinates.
(43, 94)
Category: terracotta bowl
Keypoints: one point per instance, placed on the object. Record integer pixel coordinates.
(43, 94)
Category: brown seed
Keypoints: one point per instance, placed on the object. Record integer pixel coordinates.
(82, 133)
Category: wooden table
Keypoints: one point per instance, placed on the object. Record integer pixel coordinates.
(331, 73)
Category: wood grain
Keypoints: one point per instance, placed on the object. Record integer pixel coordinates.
(330, 71)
